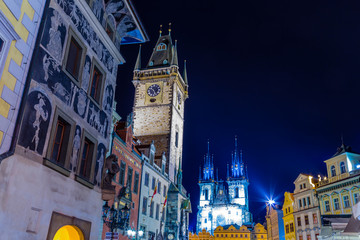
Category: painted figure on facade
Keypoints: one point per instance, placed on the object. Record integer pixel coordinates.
(76, 148)
(54, 46)
(112, 167)
(100, 163)
(41, 115)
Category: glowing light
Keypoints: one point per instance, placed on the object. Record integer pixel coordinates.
(358, 166)
(141, 233)
(129, 232)
(310, 178)
(271, 202)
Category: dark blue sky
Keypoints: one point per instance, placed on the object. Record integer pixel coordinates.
(283, 76)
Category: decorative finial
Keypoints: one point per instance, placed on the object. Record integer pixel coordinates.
(160, 30)
(169, 29)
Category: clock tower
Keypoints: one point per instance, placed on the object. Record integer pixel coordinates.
(160, 94)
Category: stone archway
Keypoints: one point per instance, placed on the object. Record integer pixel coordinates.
(69, 232)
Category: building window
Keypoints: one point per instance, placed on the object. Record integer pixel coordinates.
(308, 201)
(159, 187)
(164, 193)
(308, 237)
(336, 204)
(176, 139)
(300, 237)
(287, 229)
(152, 209)
(300, 186)
(157, 211)
(144, 206)
(96, 84)
(205, 220)
(122, 173)
(299, 221)
(74, 56)
(346, 201)
(161, 47)
(146, 179)
(129, 177)
(356, 198)
(236, 192)
(291, 227)
(315, 219)
(87, 157)
(153, 184)
(163, 214)
(333, 172)
(304, 202)
(60, 142)
(136, 182)
(342, 168)
(306, 220)
(206, 194)
(300, 205)
(327, 206)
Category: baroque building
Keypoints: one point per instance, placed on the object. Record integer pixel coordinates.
(288, 216)
(306, 208)
(62, 131)
(223, 202)
(160, 94)
(274, 222)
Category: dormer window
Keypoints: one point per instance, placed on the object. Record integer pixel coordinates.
(342, 167)
(161, 47)
(333, 172)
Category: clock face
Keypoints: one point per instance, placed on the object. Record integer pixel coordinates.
(153, 90)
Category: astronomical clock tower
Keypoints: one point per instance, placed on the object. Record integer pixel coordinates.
(160, 94)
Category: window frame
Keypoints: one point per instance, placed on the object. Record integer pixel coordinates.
(95, 64)
(122, 176)
(129, 169)
(146, 179)
(332, 171)
(336, 204)
(327, 206)
(59, 113)
(144, 206)
(72, 34)
(346, 201)
(93, 160)
(136, 182)
(342, 167)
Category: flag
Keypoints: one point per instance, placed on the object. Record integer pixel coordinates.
(152, 197)
(165, 202)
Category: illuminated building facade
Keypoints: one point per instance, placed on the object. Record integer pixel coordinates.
(223, 202)
(288, 216)
(274, 222)
(306, 208)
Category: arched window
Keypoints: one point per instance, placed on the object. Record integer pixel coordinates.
(342, 167)
(236, 192)
(161, 47)
(333, 172)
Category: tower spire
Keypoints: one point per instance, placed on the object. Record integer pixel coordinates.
(138, 60)
(160, 31)
(199, 172)
(227, 174)
(169, 29)
(175, 60)
(185, 74)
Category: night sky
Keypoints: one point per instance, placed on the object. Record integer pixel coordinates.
(283, 76)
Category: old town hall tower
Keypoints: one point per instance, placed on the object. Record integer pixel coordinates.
(160, 93)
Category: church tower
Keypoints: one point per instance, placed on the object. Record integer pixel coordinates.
(207, 180)
(160, 94)
(238, 183)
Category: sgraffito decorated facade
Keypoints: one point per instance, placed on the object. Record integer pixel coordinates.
(65, 124)
(223, 203)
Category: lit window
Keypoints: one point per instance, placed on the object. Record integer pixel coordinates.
(299, 221)
(315, 220)
(306, 220)
(161, 47)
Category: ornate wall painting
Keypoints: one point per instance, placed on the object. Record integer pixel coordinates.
(86, 74)
(80, 102)
(100, 156)
(98, 119)
(108, 98)
(54, 33)
(35, 123)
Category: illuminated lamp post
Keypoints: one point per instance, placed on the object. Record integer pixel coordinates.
(115, 219)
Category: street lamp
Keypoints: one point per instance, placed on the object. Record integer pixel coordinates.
(271, 202)
(115, 219)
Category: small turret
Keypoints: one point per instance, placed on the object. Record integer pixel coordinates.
(138, 61)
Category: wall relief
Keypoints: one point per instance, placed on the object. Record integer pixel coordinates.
(99, 163)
